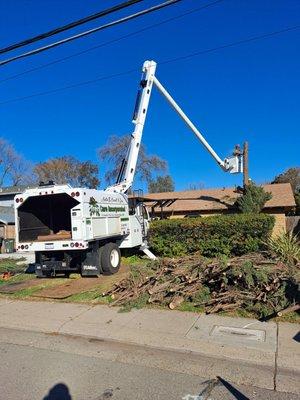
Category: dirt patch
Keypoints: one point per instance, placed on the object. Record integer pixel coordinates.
(68, 289)
(73, 287)
(11, 288)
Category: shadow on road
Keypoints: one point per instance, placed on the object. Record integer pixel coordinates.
(297, 337)
(235, 392)
(213, 383)
(58, 392)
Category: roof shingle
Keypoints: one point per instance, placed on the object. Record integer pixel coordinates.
(222, 199)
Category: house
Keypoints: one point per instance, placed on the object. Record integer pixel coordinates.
(7, 216)
(219, 201)
(7, 222)
(7, 195)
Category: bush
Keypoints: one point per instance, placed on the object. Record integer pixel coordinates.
(253, 199)
(223, 234)
(286, 247)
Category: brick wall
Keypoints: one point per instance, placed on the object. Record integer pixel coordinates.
(7, 231)
(280, 224)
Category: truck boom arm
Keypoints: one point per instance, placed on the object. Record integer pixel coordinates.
(231, 164)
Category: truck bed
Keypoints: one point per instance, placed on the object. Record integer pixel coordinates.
(61, 235)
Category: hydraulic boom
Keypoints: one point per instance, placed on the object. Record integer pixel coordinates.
(232, 164)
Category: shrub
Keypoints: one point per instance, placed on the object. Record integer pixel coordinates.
(286, 247)
(216, 235)
(253, 199)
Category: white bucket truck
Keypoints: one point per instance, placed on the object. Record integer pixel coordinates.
(78, 229)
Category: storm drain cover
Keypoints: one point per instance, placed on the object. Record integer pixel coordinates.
(241, 333)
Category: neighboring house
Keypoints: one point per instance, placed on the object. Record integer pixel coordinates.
(7, 216)
(219, 201)
(7, 222)
(7, 225)
(7, 194)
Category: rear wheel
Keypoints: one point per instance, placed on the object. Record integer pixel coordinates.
(110, 258)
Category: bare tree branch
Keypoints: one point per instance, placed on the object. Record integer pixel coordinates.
(68, 169)
(115, 150)
(14, 169)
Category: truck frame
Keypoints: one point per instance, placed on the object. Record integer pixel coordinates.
(79, 229)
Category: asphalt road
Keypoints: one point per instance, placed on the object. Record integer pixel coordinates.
(36, 366)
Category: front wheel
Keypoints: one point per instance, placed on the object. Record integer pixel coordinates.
(110, 258)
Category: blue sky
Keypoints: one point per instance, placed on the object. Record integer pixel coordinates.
(247, 92)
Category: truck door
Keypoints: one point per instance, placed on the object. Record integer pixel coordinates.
(78, 224)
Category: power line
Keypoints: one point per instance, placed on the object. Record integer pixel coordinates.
(69, 26)
(83, 83)
(225, 46)
(58, 60)
(90, 31)
(171, 60)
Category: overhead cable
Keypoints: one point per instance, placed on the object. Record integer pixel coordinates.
(79, 53)
(90, 31)
(69, 26)
(171, 60)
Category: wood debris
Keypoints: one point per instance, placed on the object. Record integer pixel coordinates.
(251, 281)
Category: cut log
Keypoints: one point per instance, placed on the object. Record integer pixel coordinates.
(287, 310)
(176, 302)
(159, 288)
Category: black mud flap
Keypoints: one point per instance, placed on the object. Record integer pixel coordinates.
(91, 264)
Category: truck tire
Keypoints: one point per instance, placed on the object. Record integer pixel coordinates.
(110, 258)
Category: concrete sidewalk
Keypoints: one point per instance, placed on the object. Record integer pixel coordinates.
(246, 351)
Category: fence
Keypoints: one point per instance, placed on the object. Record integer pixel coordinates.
(293, 224)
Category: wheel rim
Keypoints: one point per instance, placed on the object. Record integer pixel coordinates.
(114, 258)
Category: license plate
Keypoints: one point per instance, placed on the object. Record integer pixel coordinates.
(49, 246)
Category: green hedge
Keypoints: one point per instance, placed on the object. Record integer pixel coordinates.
(235, 234)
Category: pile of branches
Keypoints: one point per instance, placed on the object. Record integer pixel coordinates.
(253, 282)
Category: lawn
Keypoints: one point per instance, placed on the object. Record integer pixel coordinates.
(17, 268)
(12, 265)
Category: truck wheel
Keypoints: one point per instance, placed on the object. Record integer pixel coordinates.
(110, 258)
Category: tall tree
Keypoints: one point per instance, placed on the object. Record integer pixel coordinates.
(161, 184)
(14, 169)
(292, 176)
(115, 150)
(68, 169)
